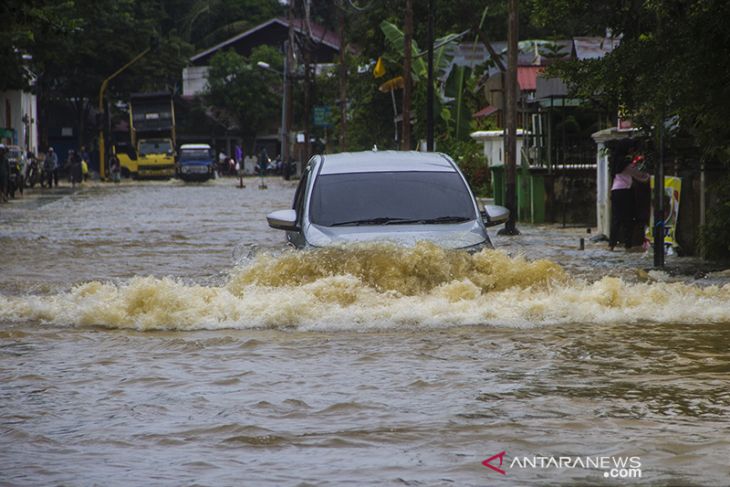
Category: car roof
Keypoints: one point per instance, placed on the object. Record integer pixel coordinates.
(385, 161)
(195, 146)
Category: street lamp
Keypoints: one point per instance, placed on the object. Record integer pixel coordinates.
(284, 134)
(102, 89)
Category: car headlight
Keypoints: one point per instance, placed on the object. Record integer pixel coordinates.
(473, 249)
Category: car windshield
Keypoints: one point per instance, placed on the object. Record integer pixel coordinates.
(381, 198)
(154, 147)
(196, 154)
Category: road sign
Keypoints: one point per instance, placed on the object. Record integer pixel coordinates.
(323, 116)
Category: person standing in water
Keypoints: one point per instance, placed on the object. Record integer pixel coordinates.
(622, 200)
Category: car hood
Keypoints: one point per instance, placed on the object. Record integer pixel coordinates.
(449, 236)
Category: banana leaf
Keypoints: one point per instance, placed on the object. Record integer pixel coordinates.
(441, 55)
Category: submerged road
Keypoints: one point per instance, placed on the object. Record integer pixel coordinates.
(160, 333)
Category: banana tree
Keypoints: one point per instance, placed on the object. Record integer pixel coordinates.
(456, 116)
(419, 70)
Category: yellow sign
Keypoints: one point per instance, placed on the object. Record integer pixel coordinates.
(672, 193)
(379, 68)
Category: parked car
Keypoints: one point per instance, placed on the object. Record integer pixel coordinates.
(403, 197)
(196, 162)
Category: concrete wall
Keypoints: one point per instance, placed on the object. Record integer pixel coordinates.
(14, 106)
(571, 197)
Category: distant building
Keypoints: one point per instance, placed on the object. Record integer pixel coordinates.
(271, 33)
(557, 181)
(18, 119)
(275, 33)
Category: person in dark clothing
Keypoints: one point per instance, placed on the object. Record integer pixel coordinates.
(622, 199)
(4, 174)
(75, 169)
(51, 167)
(116, 168)
(263, 162)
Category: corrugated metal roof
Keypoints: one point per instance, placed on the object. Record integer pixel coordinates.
(550, 87)
(594, 47)
(320, 33)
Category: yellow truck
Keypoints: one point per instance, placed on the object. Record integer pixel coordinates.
(151, 153)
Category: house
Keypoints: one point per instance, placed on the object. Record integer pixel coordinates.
(271, 33)
(557, 180)
(323, 50)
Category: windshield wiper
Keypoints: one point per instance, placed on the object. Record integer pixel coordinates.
(402, 221)
(383, 220)
(446, 219)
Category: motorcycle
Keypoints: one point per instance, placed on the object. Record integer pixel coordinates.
(34, 173)
(15, 178)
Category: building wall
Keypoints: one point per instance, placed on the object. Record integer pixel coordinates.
(18, 116)
(571, 197)
(195, 80)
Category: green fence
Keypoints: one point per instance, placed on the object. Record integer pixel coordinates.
(530, 193)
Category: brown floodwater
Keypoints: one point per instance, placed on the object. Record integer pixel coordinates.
(158, 333)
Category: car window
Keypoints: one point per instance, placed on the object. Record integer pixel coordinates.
(201, 154)
(340, 198)
(298, 203)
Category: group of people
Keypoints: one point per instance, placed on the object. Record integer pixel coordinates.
(76, 165)
(20, 169)
(234, 165)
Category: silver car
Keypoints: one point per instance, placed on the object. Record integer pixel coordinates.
(403, 197)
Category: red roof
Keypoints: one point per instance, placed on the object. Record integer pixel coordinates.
(527, 77)
(486, 111)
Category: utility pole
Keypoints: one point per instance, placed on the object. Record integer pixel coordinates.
(284, 110)
(343, 80)
(510, 149)
(102, 90)
(659, 201)
(429, 87)
(407, 41)
(288, 87)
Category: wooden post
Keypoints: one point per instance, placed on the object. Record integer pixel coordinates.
(407, 40)
(429, 87)
(659, 201)
(343, 81)
(510, 166)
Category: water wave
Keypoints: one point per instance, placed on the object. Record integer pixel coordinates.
(374, 286)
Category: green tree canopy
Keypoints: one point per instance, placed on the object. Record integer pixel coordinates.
(242, 93)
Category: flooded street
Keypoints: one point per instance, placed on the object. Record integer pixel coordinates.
(157, 333)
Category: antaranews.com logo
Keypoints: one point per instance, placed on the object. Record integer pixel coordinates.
(613, 467)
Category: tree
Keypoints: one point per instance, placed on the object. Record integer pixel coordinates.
(25, 24)
(75, 44)
(672, 61)
(245, 96)
(208, 22)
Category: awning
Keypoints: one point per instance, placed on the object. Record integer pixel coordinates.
(486, 111)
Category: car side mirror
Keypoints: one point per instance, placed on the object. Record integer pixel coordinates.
(494, 215)
(283, 220)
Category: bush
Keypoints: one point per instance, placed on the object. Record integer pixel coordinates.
(714, 237)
